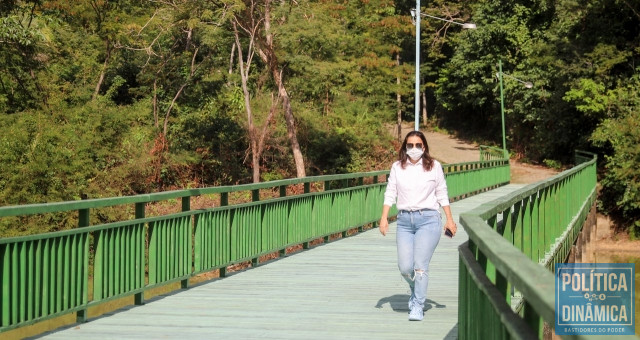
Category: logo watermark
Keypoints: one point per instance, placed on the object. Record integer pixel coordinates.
(595, 298)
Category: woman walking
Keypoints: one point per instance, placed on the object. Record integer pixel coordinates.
(417, 182)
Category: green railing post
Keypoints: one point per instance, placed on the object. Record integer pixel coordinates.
(186, 203)
(186, 206)
(375, 181)
(84, 220)
(283, 193)
(307, 189)
(255, 197)
(503, 286)
(138, 298)
(527, 232)
(532, 319)
(224, 201)
(536, 247)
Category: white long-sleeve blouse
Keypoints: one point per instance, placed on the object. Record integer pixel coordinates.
(416, 189)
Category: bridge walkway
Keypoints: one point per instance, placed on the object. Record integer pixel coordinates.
(346, 289)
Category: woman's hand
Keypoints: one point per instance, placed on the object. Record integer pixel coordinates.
(451, 226)
(384, 222)
(384, 226)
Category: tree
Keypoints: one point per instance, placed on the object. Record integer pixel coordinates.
(620, 133)
(256, 140)
(268, 54)
(22, 56)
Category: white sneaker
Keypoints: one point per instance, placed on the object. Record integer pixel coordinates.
(416, 313)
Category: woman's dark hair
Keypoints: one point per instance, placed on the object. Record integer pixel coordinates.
(427, 161)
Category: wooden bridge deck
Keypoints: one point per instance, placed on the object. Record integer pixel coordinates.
(347, 289)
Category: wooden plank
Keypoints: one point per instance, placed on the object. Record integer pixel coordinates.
(350, 288)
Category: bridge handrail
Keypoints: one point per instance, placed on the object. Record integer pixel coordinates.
(491, 152)
(39, 208)
(29, 209)
(50, 274)
(539, 224)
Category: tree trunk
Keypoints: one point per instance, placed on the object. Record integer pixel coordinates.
(255, 161)
(233, 50)
(258, 143)
(165, 126)
(265, 128)
(104, 70)
(291, 125)
(399, 101)
(424, 109)
(270, 59)
(154, 102)
(189, 33)
(326, 102)
(175, 98)
(244, 76)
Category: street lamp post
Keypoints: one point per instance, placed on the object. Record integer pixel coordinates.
(417, 86)
(504, 139)
(415, 14)
(525, 83)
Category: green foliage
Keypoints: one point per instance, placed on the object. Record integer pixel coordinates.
(552, 164)
(21, 57)
(580, 56)
(588, 97)
(621, 133)
(351, 139)
(116, 98)
(214, 142)
(63, 156)
(468, 86)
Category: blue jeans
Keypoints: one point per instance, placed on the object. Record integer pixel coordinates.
(418, 234)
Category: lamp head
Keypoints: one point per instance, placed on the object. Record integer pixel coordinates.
(528, 84)
(468, 25)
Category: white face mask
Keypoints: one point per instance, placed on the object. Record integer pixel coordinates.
(415, 153)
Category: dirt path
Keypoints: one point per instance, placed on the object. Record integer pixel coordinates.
(449, 149)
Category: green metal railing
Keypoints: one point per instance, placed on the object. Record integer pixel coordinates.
(514, 244)
(488, 153)
(47, 275)
(469, 178)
